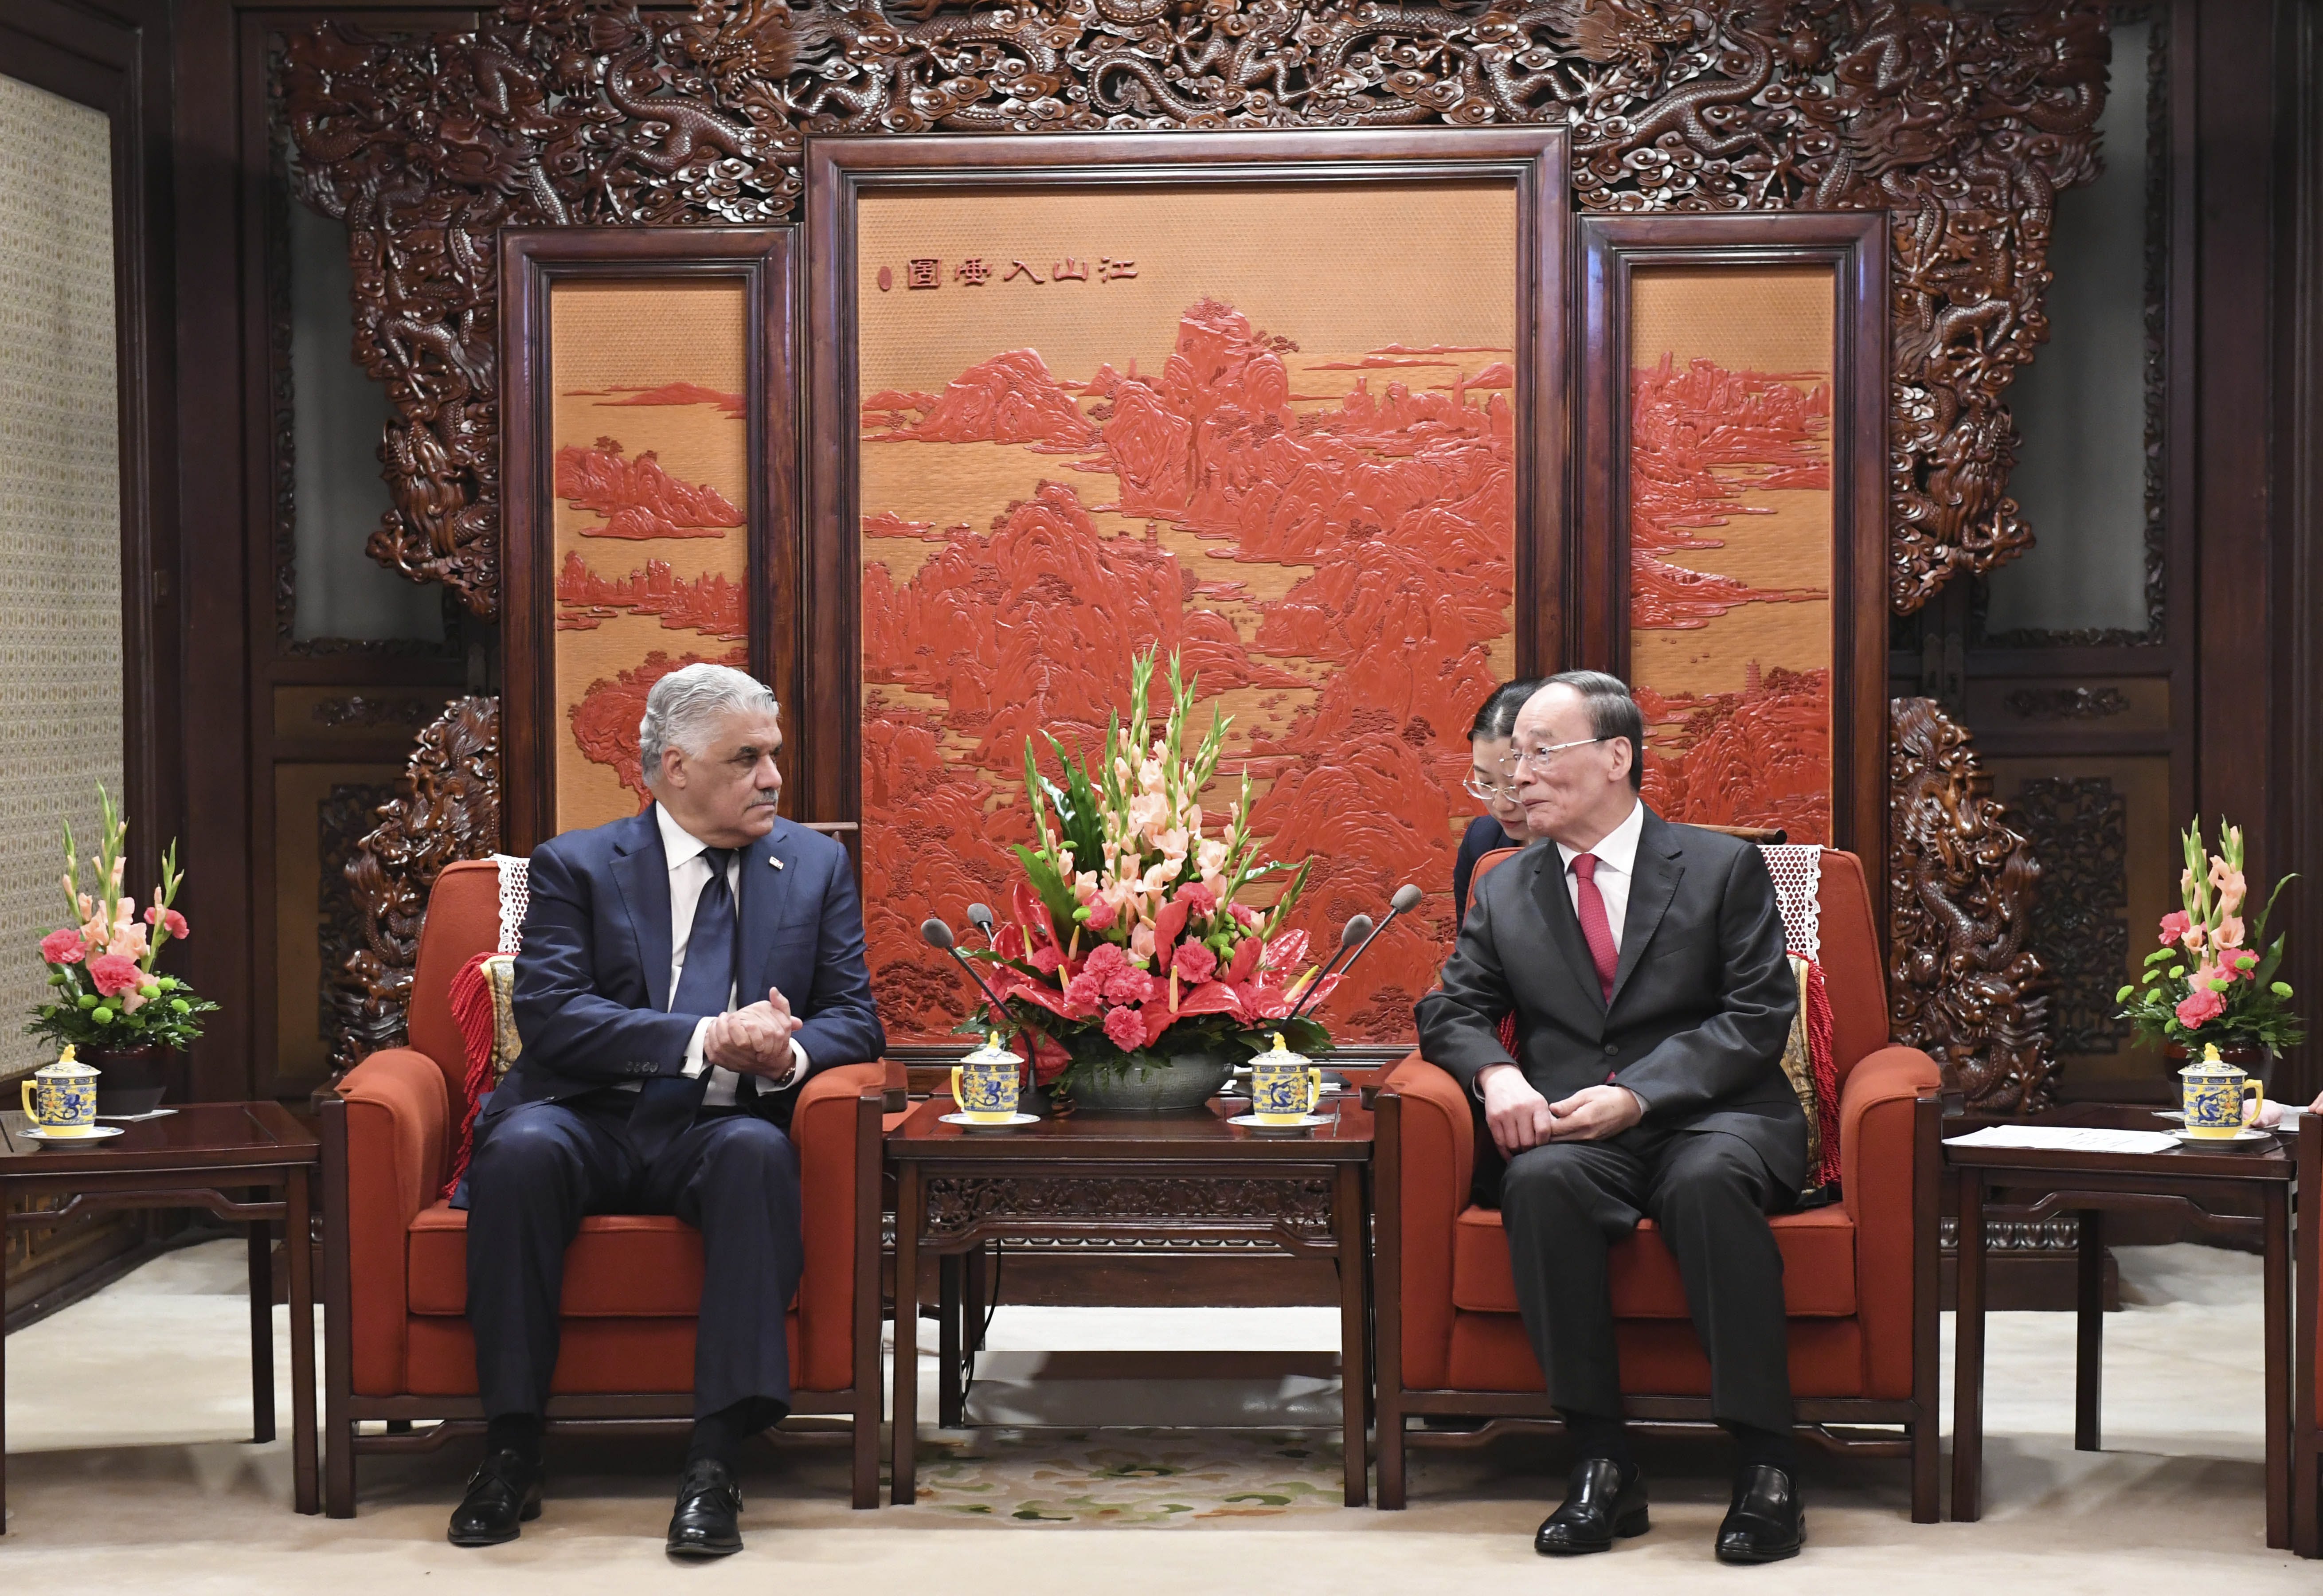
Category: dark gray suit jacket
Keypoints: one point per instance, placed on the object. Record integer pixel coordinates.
(1702, 996)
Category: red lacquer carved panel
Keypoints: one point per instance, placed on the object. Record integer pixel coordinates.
(1730, 543)
(1307, 492)
(649, 479)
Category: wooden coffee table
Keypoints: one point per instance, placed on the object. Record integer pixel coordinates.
(2198, 1184)
(249, 1162)
(1134, 1178)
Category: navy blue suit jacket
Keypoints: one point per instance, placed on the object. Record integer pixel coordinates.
(593, 977)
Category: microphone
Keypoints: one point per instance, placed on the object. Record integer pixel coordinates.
(938, 935)
(1407, 898)
(979, 915)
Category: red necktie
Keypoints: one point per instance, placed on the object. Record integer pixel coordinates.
(1595, 929)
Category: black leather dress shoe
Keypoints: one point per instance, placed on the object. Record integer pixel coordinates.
(708, 1504)
(1598, 1506)
(1767, 1522)
(504, 1493)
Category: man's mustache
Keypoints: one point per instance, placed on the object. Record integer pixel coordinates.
(766, 795)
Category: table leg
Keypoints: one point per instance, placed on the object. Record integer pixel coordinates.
(1354, 1367)
(2088, 1352)
(2277, 1363)
(1968, 1353)
(948, 1313)
(298, 1227)
(976, 1288)
(261, 1331)
(904, 1408)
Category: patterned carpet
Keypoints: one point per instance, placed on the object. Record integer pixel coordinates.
(1144, 1478)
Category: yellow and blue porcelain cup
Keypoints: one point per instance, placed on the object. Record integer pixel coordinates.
(60, 1098)
(2215, 1093)
(986, 1083)
(1283, 1087)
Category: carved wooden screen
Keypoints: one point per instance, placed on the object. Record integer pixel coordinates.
(651, 514)
(1734, 490)
(1285, 418)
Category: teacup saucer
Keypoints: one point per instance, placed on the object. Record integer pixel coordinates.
(2248, 1140)
(94, 1134)
(1010, 1123)
(1307, 1122)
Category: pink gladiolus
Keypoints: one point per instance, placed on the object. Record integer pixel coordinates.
(2196, 936)
(2173, 926)
(1125, 1028)
(63, 947)
(1194, 962)
(169, 919)
(2230, 932)
(129, 941)
(131, 1001)
(2199, 1006)
(1141, 942)
(114, 973)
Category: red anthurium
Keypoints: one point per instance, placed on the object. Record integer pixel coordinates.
(1031, 913)
(1211, 997)
(1244, 963)
(1158, 1019)
(1168, 925)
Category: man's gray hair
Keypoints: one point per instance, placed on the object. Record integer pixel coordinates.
(682, 705)
(1612, 713)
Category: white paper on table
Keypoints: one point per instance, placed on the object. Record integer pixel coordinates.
(2067, 1139)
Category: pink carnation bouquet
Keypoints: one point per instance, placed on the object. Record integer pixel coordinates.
(1131, 933)
(2212, 979)
(105, 991)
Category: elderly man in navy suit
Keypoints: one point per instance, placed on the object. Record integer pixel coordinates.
(683, 972)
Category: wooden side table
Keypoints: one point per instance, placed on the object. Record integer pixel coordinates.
(2198, 1184)
(1129, 1177)
(199, 1156)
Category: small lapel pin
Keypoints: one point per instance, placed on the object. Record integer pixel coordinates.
(777, 863)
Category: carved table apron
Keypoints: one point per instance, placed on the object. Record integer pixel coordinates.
(2198, 1184)
(1132, 1177)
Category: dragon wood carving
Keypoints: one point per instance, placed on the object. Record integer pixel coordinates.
(1962, 123)
(1968, 987)
(446, 808)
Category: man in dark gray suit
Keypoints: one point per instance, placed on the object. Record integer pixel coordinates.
(1645, 964)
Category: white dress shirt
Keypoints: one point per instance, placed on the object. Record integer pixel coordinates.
(689, 873)
(1617, 864)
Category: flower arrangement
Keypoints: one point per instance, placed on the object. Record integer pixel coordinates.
(101, 966)
(1129, 939)
(2212, 979)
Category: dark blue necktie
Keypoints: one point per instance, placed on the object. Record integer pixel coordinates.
(705, 986)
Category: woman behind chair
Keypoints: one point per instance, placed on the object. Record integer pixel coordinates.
(1502, 823)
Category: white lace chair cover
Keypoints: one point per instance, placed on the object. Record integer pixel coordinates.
(1797, 870)
(515, 898)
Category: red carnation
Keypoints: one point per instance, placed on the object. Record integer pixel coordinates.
(1194, 962)
(168, 919)
(2198, 1008)
(63, 947)
(1199, 899)
(114, 973)
(1125, 1030)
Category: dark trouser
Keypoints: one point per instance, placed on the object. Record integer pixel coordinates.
(1562, 1204)
(541, 1167)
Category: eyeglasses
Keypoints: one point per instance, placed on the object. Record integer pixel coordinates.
(1540, 759)
(1487, 791)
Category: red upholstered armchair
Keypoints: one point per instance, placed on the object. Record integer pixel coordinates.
(1860, 1275)
(398, 1345)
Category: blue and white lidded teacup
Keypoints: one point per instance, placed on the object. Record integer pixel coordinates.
(1283, 1087)
(60, 1098)
(985, 1084)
